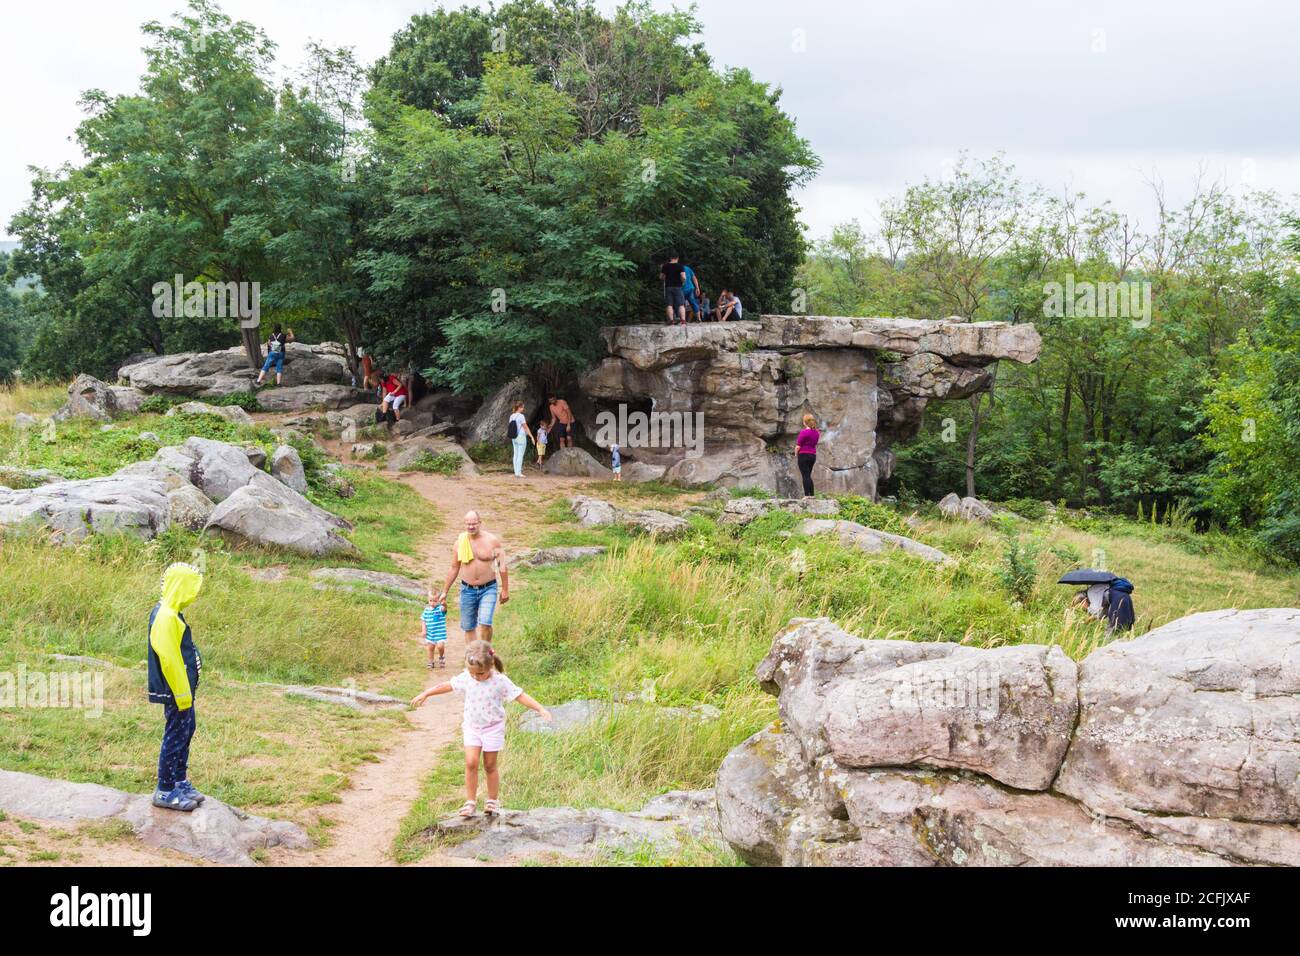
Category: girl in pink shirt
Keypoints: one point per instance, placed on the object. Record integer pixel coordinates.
(487, 689)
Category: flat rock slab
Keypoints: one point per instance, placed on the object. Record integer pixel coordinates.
(746, 508)
(577, 714)
(663, 823)
(346, 696)
(542, 557)
(216, 832)
(575, 463)
(374, 580)
(854, 535)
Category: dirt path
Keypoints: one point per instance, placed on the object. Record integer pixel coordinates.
(367, 819)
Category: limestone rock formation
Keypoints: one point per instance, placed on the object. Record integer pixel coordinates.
(213, 374)
(968, 509)
(866, 380)
(373, 580)
(488, 424)
(1175, 748)
(545, 557)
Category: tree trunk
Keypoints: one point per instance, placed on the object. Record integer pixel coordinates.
(352, 331)
(972, 440)
(252, 346)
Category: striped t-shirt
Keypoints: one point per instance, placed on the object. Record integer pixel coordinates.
(435, 624)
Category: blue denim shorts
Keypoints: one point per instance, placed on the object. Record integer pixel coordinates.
(478, 602)
(276, 359)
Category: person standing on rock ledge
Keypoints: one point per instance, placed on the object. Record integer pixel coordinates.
(805, 452)
(477, 557)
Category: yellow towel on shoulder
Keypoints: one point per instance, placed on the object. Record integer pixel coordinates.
(464, 553)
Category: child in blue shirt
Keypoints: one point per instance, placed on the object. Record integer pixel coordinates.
(434, 619)
(616, 463)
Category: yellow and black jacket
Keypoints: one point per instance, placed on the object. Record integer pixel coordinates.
(174, 661)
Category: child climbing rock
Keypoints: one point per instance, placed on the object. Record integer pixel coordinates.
(486, 688)
(174, 665)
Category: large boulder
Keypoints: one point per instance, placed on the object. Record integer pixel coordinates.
(575, 463)
(213, 374)
(295, 398)
(232, 413)
(270, 515)
(488, 424)
(745, 509)
(1174, 749)
(88, 397)
(1200, 717)
(71, 510)
(187, 507)
(409, 452)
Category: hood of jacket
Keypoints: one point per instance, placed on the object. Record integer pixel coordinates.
(181, 584)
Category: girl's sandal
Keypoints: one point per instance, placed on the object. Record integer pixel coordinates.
(468, 809)
(492, 807)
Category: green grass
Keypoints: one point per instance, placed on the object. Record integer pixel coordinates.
(686, 622)
(445, 463)
(33, 398)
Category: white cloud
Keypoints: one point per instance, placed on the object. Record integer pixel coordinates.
(884, 91)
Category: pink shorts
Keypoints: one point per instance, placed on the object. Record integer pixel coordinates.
(491, 738)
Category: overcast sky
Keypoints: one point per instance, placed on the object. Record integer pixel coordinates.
(1088, 95)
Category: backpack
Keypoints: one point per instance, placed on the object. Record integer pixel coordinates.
(1119, 605)
(512, 430)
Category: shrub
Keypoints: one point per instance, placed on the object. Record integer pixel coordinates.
(1018, 570)
(1029, 508)
(444, 463)
(489, 453)
(157, 404)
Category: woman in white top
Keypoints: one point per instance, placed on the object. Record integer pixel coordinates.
(519, 444)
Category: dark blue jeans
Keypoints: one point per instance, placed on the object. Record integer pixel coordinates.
(174, 757)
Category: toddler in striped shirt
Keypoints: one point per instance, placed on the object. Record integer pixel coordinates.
(434, 618)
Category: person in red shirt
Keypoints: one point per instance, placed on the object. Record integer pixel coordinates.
(395, 395)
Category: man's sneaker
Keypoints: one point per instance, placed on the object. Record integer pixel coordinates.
(191, 791)
(176, 799)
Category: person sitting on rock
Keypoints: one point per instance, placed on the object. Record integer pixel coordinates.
(276, 345)
(394, 397)
(729, 305)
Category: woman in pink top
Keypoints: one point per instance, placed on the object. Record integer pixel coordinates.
(805, 447)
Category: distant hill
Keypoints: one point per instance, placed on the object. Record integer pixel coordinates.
(26, 283)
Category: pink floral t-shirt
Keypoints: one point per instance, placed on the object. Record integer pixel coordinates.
(485, 700)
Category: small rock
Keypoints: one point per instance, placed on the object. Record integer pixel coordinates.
(231, 413)
(593, 512)
(657, 524)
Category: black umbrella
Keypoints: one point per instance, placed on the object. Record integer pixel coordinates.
(1087, 576)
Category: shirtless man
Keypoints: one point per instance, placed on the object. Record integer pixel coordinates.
(560, 427)
(476, 556)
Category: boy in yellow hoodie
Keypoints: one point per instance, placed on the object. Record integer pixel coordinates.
(174, 666)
